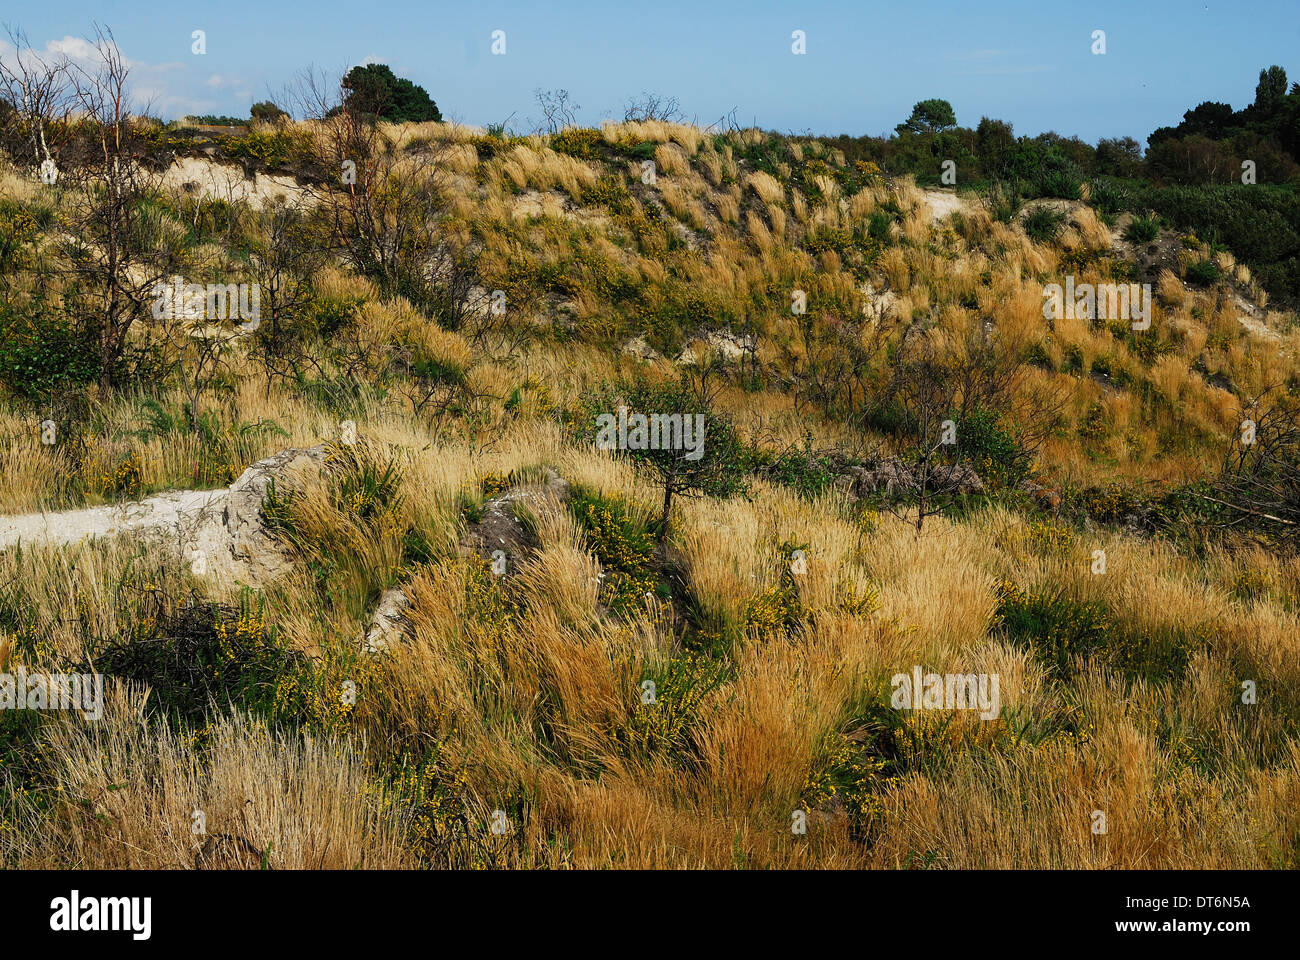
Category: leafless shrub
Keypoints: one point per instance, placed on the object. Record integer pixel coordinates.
(117, 248)
(653, 106)
(36, 87)
(558, 110)
(1260, 479)
(387, 206)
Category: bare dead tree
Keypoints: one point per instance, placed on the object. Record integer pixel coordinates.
(37, 88)
(927, 392)
(725, 123)
(949, 402)
(118, 253)
(283, 258)
(834, 363)
(197, 354)
(993, 377)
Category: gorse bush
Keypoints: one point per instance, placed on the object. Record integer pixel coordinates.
(580, 142)
(625, 547)
(667, 721)
(1059, 630)
(202, 655)
(364, 482)
(993, 449)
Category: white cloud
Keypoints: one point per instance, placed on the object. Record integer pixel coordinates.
(169, 90)
(155, 88)
(77, 49)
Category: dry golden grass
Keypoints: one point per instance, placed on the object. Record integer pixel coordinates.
(767, 187)
(759, 737)
(131, 790)
(527, 693)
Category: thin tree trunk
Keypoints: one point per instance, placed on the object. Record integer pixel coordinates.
(663, 520)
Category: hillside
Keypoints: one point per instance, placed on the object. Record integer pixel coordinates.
(470, 636)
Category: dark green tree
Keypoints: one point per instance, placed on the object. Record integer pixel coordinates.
(268, 111)
(1270, 90)
(994, 141)
(373, 90)
(1208, 119)
(929, 116)
(1118, 157)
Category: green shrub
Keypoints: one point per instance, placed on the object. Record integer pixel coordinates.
(878, 226)
(1072, 361)
(204, 654)
(642, 151)
(625, 547)
(372, 89)
(43, 352)
(666, 721)
(1109, 197)
(267, 111)
(1003, 201)
(609, 192)
(1042, 224)
(1203, 273)
(211, 120)
(1037, 355)
(270, 150)
(1065, 184)
(802, 471)
(992, 449)
(331, 314)
(1053, 626)
(364, 483)
(1142, 230)
(775, 610)
(1259, 223)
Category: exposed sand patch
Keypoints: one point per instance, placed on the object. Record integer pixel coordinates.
(731, 347)
(218, 532)
(943, 203)
(549, 203)
(878, 305)
(640, 348)
(164, 512)
(218, 181)
(1250, 317)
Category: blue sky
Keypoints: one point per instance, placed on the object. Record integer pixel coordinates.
(866, 62)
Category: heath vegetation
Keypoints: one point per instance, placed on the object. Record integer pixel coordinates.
(622, 657)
